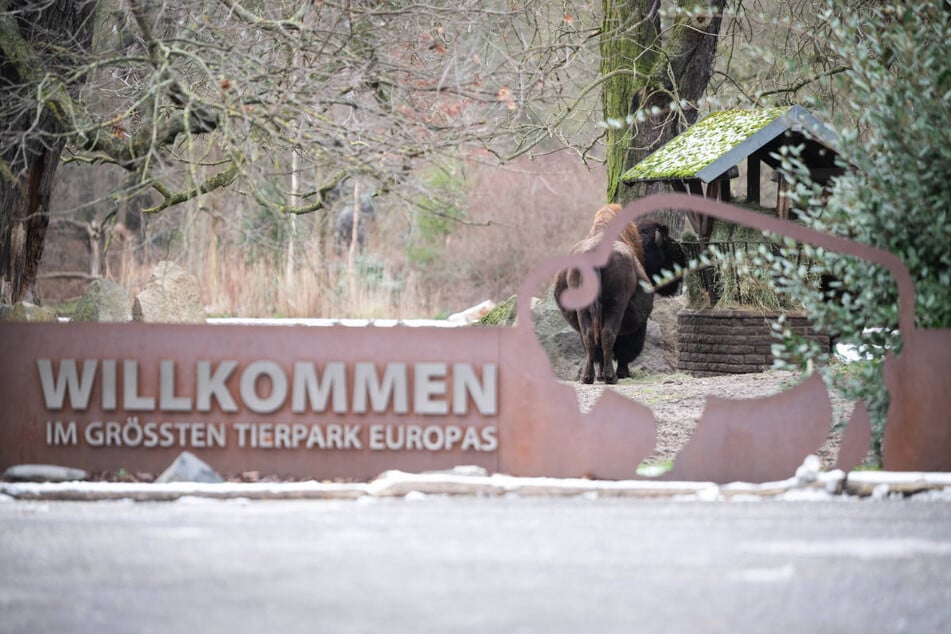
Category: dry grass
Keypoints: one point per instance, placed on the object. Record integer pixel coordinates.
(508, 219)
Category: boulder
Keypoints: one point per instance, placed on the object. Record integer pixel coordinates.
(25, 311)
(103, 300)
(560, 342)
(501, 315)
(171, 296)
(665, 314)
(473, 314)
(43, 473)
(187, 467)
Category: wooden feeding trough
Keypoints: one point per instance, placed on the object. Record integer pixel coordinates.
(703, 161)
(705, 158)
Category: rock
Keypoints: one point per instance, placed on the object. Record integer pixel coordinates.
(171, 296)
(189, 468)
(560, 342)
(566, 354)
(653, 358)
(808, 471)
(665, 314)
(25, 311)
(103, 300)
(43, 473)
(501, 315)
(473, 314)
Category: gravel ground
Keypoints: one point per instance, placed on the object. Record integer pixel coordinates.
(677, 401)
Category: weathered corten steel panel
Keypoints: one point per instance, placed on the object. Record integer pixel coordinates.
(24, 415)
(344, 402)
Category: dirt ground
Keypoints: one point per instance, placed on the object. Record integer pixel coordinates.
(677, 402)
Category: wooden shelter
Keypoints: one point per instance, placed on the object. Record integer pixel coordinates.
(704, 159)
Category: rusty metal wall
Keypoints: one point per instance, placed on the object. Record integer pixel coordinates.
(536, 427)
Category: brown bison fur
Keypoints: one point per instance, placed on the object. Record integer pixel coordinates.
(619, 313)
(630, 235)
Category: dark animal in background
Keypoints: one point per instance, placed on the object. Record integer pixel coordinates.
(661, 252)
(343, 230)
(619, 313)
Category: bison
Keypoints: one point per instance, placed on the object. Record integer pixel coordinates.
(614, 326)
(661, 252)
(622, 305)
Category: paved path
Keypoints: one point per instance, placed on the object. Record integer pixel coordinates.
(436, 564)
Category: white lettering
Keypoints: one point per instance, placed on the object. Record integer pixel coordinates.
(376, 438)
(113, 431)
(316, 437)
(249, 392)
(432, 438)
(282, 436)
(298, 434)
(198, 435)
(242, 429)
(484, 394)
(168, 402)
(165, 431)
(67, 381)
(453, 435)
(430, 382)
(351, 437)
(265, 436)
(334, 436)
(368, 386)
(216, 435)
(110, 394)
(414, 437)
(132, 427)
(308, 387)
(209, 385)
(471, 439)
(489, 440)
(131, 399)
(395, 436)
(151, 437)
(93, 434)
(59, 434)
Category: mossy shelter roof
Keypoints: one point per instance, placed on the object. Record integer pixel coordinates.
(719, 141)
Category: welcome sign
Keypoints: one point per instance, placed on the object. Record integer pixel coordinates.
(306, 401)
(351, 402)
(372, 391)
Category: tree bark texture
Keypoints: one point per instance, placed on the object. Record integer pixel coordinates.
(646, 66)
(39, 43)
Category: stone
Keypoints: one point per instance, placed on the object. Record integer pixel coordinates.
(560, 342)
(502, 315)
(25, 311)
(43, 473)
(187, 467)
(653, 358)
(171, 296)
(665, 312)
(103, 300)
(473, 314)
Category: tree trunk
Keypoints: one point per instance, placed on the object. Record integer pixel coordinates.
(354, 239)
(30, 147)
(646, 68)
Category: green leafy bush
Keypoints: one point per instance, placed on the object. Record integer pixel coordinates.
(895, 194)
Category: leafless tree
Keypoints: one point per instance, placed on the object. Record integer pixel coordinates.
(283, 101)
(190, 96)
